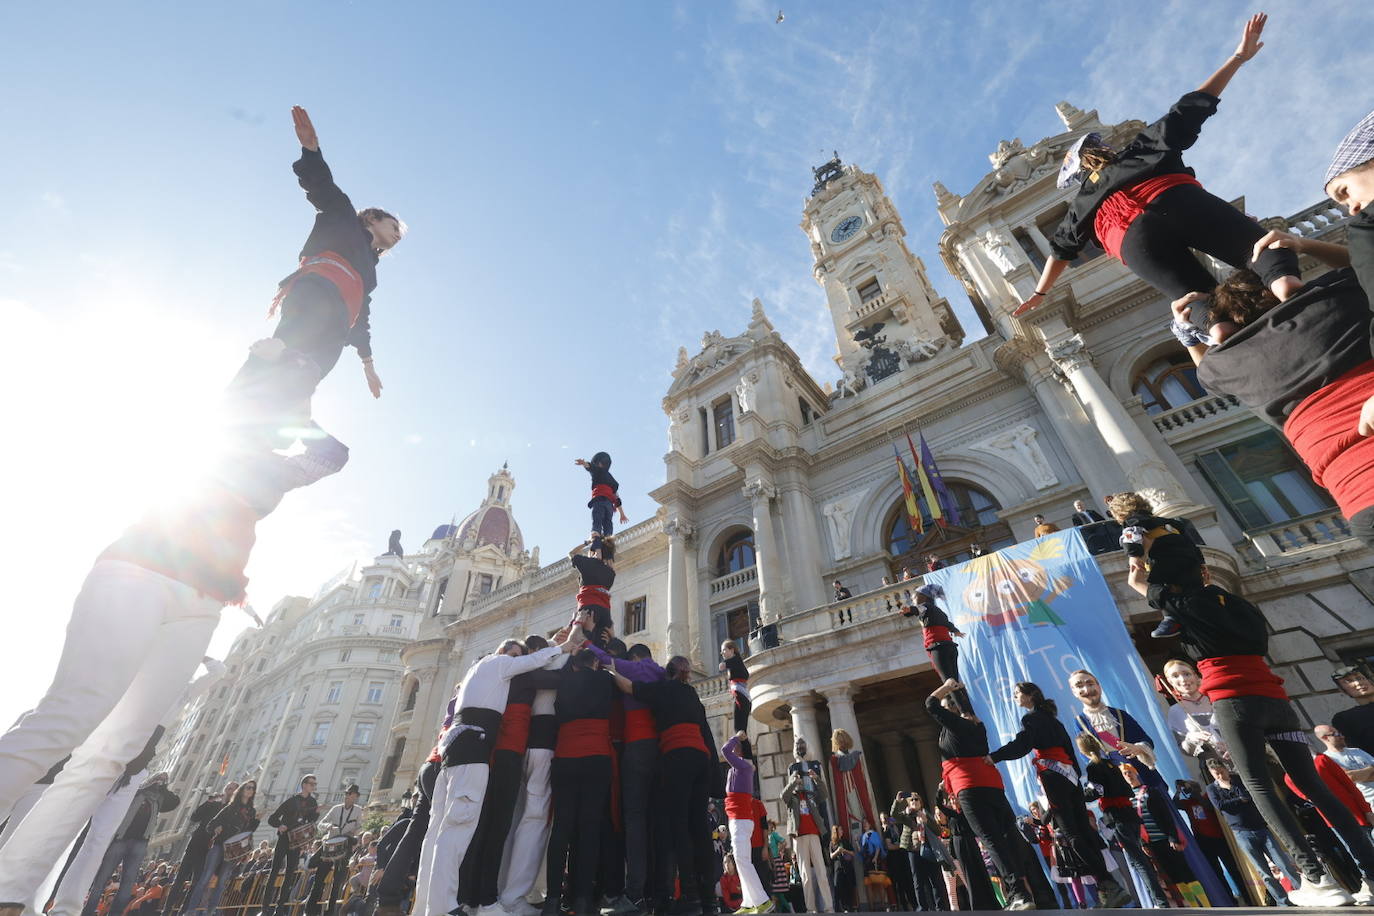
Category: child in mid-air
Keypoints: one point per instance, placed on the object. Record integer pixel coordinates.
(1175, 564)
(605, 494)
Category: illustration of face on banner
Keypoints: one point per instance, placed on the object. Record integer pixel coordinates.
(1037, 612)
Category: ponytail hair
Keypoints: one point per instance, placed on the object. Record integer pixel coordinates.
(678, 668)
(1039, 701)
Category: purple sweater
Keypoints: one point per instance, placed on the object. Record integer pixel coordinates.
(644, 672)
(741, 778)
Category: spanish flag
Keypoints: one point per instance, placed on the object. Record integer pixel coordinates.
(931, 502)
(913, 510)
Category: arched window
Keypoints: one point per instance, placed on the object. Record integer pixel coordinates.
(1168, 382)
(411, 696)
(736, 553)
(978, 524)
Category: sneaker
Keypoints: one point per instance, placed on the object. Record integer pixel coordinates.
(1019, 901)
(1168, 627)
(1365, 895)
(1325, 892)
(523, 907)
(1113, 895)
(619, 906)
(491, 909)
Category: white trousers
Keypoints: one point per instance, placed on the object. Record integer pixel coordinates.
(741, 832)
(20, 811)
(529, 833)
(71, 893)
(811, 864)
(454, 810)
(134, 640)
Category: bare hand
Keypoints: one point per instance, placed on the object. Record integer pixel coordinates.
(1274, 239)
(374, 381)
(721, 666)
(1250, 39)
(305, 131)
(951, 683)
(1180, 306)
(580, 462)
(1366, 427)
(623, 517)
(742, 735)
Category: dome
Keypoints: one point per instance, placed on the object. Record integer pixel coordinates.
(491, 525)
(443, 531)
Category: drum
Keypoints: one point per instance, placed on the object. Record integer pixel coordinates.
(238, 847)
(334, 849)
(300, 836)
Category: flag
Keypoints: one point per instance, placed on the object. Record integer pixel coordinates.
(224, 765)
(951, 508)
(932, 503)
(913, 510)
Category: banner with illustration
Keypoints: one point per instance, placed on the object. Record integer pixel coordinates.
(1038, 611)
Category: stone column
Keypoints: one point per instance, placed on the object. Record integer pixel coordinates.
(678, 636)
(760, 494)
(1039, 239)
(926, 738)
(1145, 470)
(804, 725)
(804, 555)
(840, 700)
(894, 761)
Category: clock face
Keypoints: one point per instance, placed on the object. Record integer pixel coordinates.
(845, 230)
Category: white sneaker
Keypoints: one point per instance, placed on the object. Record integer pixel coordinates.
(491, 909)
(1325, 892)
(1365, 895)
(523, 907)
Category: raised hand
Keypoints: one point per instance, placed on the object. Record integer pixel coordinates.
(374, 381)
(1250, 39)
(305, 131)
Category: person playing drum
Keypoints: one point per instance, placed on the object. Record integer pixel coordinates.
(295, 822)
(339, 828)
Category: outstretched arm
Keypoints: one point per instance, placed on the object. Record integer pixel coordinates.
(1053, 268)
(1249, 46)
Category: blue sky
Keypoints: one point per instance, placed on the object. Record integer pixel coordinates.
(588, 186)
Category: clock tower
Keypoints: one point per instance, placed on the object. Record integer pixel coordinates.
(887, 315)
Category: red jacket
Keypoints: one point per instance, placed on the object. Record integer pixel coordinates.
(1340, 783)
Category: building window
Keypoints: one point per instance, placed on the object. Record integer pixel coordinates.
(806, 412)
(870, 291)
(1167, 383)
(387, 655)
(262, 663)
(349, 778)
(335, 691)
(362, 733)
(439, 594)
(736, 625)
(485, 581)
(374, 692)
(736, 553)
(1262, 482)
(724, 416)
(636, 615)
(412, 695)
(321, 734)
(397, 620)
(359, 619)
(978, 524)
(375, 591)
(389, 768)
(1048, 224)
(1029, 248)
(305, 695)
(345, 654)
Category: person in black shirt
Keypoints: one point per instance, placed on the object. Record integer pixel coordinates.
(841, 593)
(597, 570)
(1144, 207)
(1356, 723)
(1082, 515)
(732, 663)
(938, 633)
(296, 811)
(324, 303)
(193, 858)
(977, 786)
(1252, 833)
(236, 817)
(605, 494)
(1059, 774)
(1172, 558)
(1116, 799)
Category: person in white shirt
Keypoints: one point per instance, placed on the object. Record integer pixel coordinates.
(462, 784)
(1190, 718)
(1358, 764)
(342, 822)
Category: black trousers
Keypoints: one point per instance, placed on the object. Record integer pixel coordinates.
(681, 800)
(581, 791)
(990, 816)
(944, 657)
(1218, 855)
(1156, 247)
(192, 861)
(335, 873)
(314, 320)
(964, 845)
(899, 870)
(1248, 724)
(603, 515)
(743, 706)
(930, 882)
(1125, 824)
(477, 877)
(638, 779)
(1070, 815)
(398, 875)
(285, 861)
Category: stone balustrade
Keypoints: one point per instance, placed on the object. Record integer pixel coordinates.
(1194, 413)
(1320, 529)
(735, 580)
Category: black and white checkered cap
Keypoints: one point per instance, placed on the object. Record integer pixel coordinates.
(1356, 149)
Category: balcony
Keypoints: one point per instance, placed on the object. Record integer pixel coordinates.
(391, 631)
(1194, 415)
(866, 311)
(735, 581)
(1300, 535)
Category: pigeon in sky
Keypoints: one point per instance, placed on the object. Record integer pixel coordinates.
(780, 18)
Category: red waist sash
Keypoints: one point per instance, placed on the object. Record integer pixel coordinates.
(335, 268)
(1114, 801)
(603, 491)
(684, 734)
(594, 596)
(584, 738)
(639, 725)
(739, 805)
(1322, 431)
(1228, 676)
(933, 635)
(515, 729)
(968, 773)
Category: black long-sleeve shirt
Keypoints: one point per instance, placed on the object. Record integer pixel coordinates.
(295, 811)
(1039, 731)
(932, 615)
(338, 229)
(601, 477)
(593, 571)
(959, 737)
(1105, 774)
(584, 694)
(735, 668)
(1359, 234)
(674, 703)
(1236, 806)
(1215, 622)
(234, 819)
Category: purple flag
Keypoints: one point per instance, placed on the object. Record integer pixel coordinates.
(938, 484)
